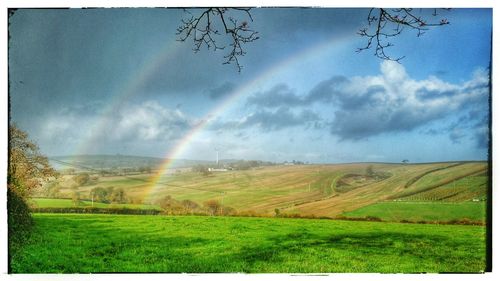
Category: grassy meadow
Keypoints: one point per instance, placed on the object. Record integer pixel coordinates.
(122, 243)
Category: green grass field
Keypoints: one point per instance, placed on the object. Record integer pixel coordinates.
(423, 211)
(68, 203)
(123, 243)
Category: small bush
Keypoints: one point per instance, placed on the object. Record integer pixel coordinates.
(373, 218)
(464, 221)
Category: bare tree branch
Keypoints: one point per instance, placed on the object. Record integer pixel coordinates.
(391, 23)
(213, 22)
(382, 25)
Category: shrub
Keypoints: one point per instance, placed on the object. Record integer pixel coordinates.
(373, 218)
(19, 221)
(212, 206)
(228, 211)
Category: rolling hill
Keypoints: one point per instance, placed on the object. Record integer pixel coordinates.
(309, 190)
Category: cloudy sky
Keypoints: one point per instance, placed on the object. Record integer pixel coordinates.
(109, 81)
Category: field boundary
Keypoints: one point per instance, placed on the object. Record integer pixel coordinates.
(96, 210)
(416, 178)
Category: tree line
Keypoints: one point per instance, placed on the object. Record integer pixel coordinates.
(210, 207)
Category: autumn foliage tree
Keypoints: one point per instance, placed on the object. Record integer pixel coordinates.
(213, 206)
(27, 170)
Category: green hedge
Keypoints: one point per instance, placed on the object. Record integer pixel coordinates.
(95, 210)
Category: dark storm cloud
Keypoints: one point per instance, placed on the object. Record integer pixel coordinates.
(200, 71)
(61, 58)
(364, 100)
(279, 95)
(482, 139)
(271, 120)
(474, 125)
(325, 90)
(279, 119)
(222, 90)
(282, 95)
(360, 124)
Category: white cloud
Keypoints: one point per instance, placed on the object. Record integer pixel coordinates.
(144, 123)
(148, 121)
(393, 102)
(393, 72)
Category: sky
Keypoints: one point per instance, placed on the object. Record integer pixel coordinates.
(118, 81)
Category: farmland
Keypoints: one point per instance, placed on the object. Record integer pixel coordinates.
(306, 190)
(110, 243)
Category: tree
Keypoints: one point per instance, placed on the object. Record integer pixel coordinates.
(213, 206)
(369, 170)
(82, 179)
(189, 206)
(51, 189)
(75, 197)
(213, 22)
(100, 194)
(28, 168)
(109, 192)
(118, 196)
(382, 25)
(170, 205)
(166, 202)
(144, 169)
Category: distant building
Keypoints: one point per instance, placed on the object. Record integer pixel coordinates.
(217, 170)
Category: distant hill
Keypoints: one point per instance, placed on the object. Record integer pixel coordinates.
(118, 161)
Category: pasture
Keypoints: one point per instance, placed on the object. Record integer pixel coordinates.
(110, 243)
(423, 211)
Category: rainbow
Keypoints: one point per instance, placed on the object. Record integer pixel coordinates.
(242, 91)
(129, 90)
